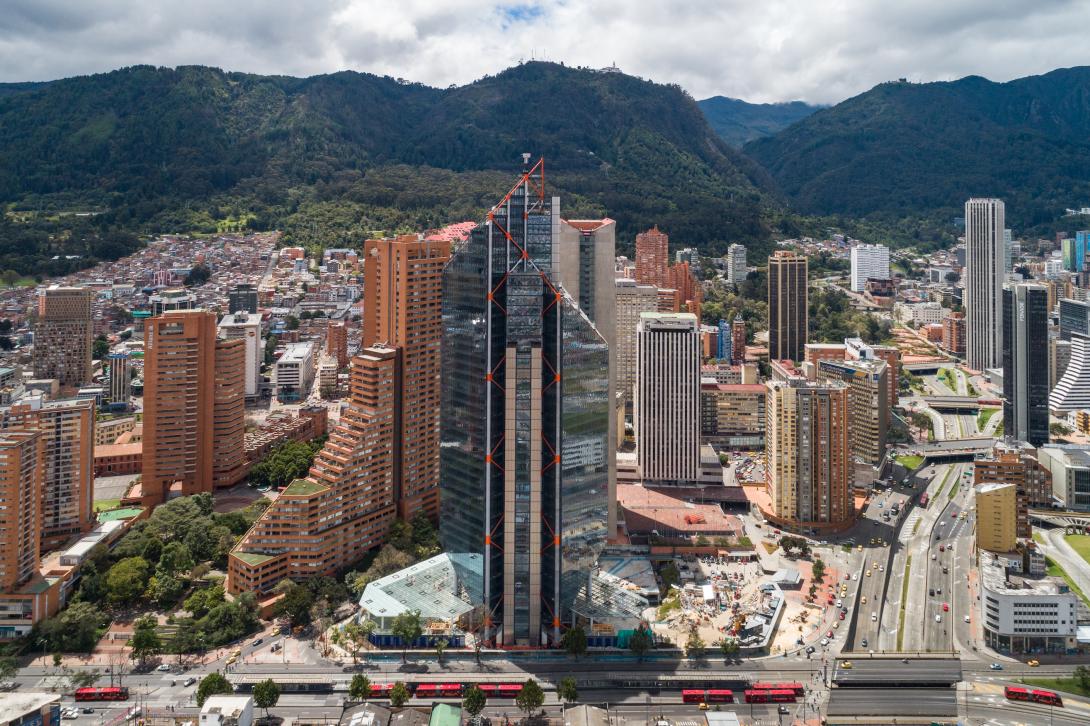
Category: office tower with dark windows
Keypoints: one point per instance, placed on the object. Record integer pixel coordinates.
(983, 280)
(525, 422)
(788, 313)
(63, 335)
(242, 299)
(1074, 318)
(1025, 363)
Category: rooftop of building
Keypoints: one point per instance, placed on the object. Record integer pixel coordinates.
(994, 578)
(21, 703)
(445, 714)
(589, 225)
(252, 558)
(119, 514)
(443, 587)
(303, 487)
(733, 387)
(991, 487)
(648, 509)
(1072, 454)
(297, 352)
(240, 320)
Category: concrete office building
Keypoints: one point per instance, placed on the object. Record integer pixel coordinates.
(191, 409)
(667, 402)
(868, 262)
(736, 264)
(1074, 317)
(525, 409)
(983, 280)
(345, 506)
(120, 378)
(1072, 390)
(633, 300)
(63, 335)
(953, 334)
(1069, 466)
(996, 517)
(788, 301)
(1059, 357)
(242, 299)
(67, 429)
(246, 327)
(732, 415)
(809, 462)
(293, 372)
(1025, 363)
(169, 300)
(652, 257)
(402, 310)
(1025, 615)
(868, 402)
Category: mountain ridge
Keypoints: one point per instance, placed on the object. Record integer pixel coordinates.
(738, 122)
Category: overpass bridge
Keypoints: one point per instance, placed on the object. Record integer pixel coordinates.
(955, 449)
(1072, 522)
(953, 404)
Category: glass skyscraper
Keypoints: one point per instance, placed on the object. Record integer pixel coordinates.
(524, 422)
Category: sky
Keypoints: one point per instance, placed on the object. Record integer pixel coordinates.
(820, 51)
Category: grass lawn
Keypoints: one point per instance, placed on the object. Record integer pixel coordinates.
(1069, 685)
(984, 416)
(1081, 544)
(910, 462)
(103, 504)
(1053, 569)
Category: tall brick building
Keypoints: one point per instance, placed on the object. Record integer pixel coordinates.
(194, 391)
(402, 309)
(325, 522)
(652, 257)
(63, 335)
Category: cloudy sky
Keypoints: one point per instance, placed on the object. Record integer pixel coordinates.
(760, 50)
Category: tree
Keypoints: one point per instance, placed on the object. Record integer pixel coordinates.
(198, 275)
(212, 684)
(175, 558)
(574, 641)
(567, 691)
(266, 694)
(82, 679)
(473, 701)
(407, 628)
(530, 697)
(399, 695)
(728, 647)
(8, 667)
(145, 639)
(292, 322)
(1082, 676)
(639, 643)
(360, 688)
(100, 347)
(440, 645)
(694, 646)
(818, 571)
(295, 605)
(127, 580)
(10, 277)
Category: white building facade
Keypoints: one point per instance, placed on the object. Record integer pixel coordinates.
(667, 397)
(294, 372)
(736, 264)
(1023, 615)
(246, 326)
(985, 257)
(869, 261)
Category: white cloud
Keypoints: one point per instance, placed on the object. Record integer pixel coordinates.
(770, 50)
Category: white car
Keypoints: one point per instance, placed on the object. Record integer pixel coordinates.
(164, 668)
(938, 618)
(874, 617)
(824, 642)
(855, 575)
(967, 619)
(840, 603)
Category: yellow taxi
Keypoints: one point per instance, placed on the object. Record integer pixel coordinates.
(703, 707)
(1033, 663)
(846, 665)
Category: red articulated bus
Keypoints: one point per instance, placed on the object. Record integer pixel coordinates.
(692, 696)
(1014, 693)
(756, 695)
(488, 689)
(797, 688)
(1050, 698)
(720, 695)
(426, 690)
(102, 694)
(381, 690)
(509, 690)
(781, 695)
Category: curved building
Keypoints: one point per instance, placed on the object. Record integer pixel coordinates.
(1072, 391)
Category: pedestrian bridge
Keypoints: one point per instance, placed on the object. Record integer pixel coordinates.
(1072, 522)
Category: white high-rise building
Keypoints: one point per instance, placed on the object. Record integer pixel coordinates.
(985, 256)
(869, 261)
(632, 300)
(246, 326)
(667, 403)
(1072, 391)
(736, 264)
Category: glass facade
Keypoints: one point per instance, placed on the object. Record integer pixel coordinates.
(525, 421)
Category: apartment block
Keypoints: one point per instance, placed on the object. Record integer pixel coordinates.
(868, 262)
(246, 327)
(732, 415)
(67, 439)
(632, 300)
(336, 342)
(63, 335)
(736, 264)
(652, 257)
(345, 506)
(996, 517)
(809, 469)
(953, 334)
(868, 391)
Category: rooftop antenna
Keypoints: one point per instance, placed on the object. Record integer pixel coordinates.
(526, 159)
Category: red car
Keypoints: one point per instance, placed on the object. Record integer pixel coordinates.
(841, 615)
(945, 608)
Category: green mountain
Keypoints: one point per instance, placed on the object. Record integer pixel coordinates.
(738, 122)
(904, 149)
(332, 158)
